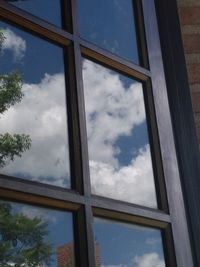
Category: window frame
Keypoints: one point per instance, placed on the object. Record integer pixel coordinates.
(186, 142)
(171, 220)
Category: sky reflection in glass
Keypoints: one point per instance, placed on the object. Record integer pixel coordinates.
(110, 25)
(33, 236)
(127, 245)
(48, 10)
(41, 112)
(119, 151)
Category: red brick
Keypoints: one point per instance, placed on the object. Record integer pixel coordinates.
(190, 15)
(191, 43)
(196, 102)
(194, 73)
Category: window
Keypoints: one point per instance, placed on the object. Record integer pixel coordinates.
(88, 159)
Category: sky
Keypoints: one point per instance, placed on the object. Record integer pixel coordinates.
(120, 244)
(119, 150)
(42, 111)
(48, 10)
(116, 32)
(59, 225)
(128, 245)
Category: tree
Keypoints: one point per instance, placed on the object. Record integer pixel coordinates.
(10, 90)
(2, 37)
(10, 94)
(11, 146)
(22, 240)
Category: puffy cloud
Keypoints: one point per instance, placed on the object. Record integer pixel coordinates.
(132, 183)
(113, 110)
(149, 260)
(42, 115)
(14, 43)
(146, 260)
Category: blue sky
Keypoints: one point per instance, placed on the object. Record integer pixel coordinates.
(110, 25)
(48, 10)
(119, 150)
(42, 111)
(121, 243)
(38, 58)
(60, 224)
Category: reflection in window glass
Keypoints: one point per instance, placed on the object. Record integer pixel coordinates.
(48, 10)
(33, 123)
(33, 236)
(119, 152)
(110, 25)
(127, 245)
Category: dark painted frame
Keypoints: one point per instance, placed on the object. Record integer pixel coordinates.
(187, 146)
(171, 219)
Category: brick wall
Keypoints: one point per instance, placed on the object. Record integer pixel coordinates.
(65, 255)
(189, 11)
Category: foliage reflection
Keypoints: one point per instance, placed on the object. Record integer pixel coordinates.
(33, 114)
(10, 94)
(28, 237)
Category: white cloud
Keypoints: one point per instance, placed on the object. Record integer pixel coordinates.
(146, 260)
(149, 260)
(14, 43)
(132, 183)
(113, 111)
(32, 212)
(42, 115)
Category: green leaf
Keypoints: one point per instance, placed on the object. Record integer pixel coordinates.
(11, 146)
(10, 90)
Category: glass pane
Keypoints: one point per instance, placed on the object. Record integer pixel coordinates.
(119, 152)
(33, 236)
(110, 25)
(33, 122)
(48, 10)
(127, 245)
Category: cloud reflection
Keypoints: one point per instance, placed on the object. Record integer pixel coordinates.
(42, 114)
(114, 109)
(146, 260)
(149, 260)
(14, 43)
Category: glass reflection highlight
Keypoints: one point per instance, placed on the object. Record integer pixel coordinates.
(33, 236)
(119, 151)
(48, 10)
(33, 131)
(127, 245)
(110, 25)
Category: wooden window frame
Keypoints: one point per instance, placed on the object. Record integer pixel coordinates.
(186, 142)
(171, 220)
